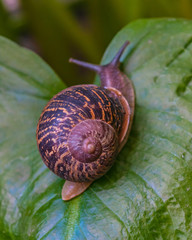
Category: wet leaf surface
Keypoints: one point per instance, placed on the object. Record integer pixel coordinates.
(147, 194)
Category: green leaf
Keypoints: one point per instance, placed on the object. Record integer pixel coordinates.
(147, 194)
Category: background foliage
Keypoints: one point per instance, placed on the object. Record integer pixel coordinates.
(59, 29)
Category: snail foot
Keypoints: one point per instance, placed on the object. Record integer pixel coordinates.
(73, 189)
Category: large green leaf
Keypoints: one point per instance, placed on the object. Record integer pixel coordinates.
(147, 194)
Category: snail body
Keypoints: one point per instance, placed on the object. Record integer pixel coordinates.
(82, 128)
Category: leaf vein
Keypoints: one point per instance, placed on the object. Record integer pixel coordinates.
(116, 215)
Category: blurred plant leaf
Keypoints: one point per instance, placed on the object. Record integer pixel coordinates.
(6, 23)
(147, 193)
(58, 33)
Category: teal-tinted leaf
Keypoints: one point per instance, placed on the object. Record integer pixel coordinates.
(147, 194)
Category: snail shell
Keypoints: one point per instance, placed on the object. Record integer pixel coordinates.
(82, 128)
(78, 131)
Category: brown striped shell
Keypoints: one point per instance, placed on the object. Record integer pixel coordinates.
(78, 132)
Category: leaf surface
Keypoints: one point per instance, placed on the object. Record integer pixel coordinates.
(147, 194)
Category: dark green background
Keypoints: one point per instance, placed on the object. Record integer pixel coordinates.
(60, 29)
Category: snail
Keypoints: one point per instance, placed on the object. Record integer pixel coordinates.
(83, 128)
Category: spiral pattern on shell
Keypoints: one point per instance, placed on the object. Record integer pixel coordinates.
(77, 134)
